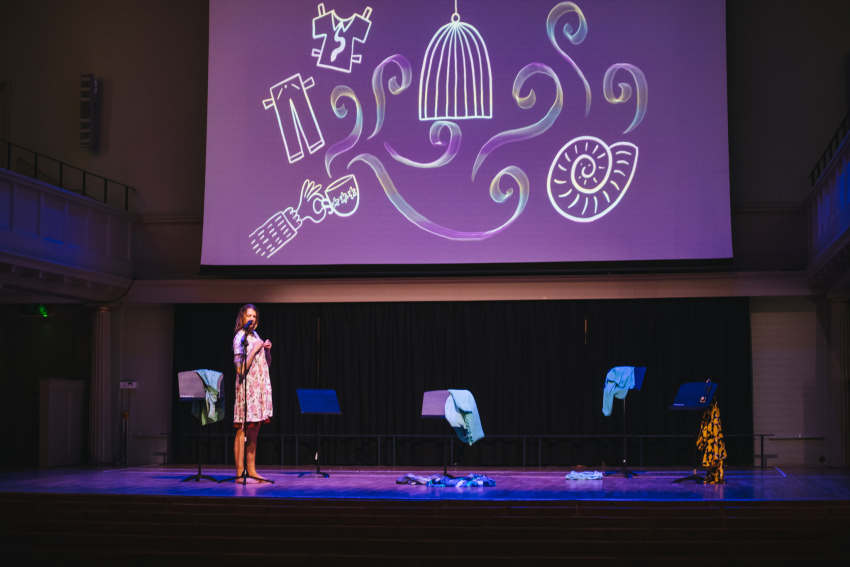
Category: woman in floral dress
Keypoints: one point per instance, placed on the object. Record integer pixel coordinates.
(259, 387)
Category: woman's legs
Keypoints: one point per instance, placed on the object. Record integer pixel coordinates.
(253, 431)
(238, 446)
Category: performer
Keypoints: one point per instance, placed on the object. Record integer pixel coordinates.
(259, 387)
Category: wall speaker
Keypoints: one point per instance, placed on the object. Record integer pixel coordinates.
(88, 111)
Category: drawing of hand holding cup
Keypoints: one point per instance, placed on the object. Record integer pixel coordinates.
(340, 198)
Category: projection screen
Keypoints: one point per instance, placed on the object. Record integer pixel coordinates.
(393, 135)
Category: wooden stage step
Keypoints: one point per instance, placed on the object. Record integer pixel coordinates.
(136, 530)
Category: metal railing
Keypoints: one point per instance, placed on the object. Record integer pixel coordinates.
(67, 177)
(831, 149)
(525, 438)
(828, 204)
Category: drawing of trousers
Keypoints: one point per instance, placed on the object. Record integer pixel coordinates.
(295, 116)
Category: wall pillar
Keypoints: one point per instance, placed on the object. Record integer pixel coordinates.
(838, 393)
(100, 406)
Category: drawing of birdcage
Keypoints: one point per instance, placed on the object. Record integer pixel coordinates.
(456, 81)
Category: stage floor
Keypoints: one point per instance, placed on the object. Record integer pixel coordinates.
(656, 484)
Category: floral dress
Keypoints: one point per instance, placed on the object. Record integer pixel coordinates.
(259, 385)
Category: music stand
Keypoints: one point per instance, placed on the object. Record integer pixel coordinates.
(318, 403)
(694, 396)
(190, 388)
(434, 406)
(640, 372)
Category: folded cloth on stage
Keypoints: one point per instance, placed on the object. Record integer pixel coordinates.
(438, 480)
(618, 382)
(462, 414)
(595, 475)
(214, 410)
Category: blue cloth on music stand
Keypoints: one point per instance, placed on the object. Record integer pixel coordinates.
(618, 382)
(214, 407)
(462, 415)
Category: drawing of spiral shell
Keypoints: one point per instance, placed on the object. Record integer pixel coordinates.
(588, 178)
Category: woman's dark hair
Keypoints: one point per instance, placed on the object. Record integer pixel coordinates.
(241, 314)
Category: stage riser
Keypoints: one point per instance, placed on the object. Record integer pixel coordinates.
(429, 521)
(582, 515)
(145, 558)
(127, 529)
(410, 521)
(802, 510)
(380, 545)
(444, 533)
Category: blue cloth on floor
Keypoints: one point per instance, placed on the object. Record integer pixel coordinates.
(438, 480)
(462, 415)
(214, 410)
(618, 382)
(595, 475)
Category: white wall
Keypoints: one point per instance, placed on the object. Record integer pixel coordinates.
(143, 342)
(788, 379)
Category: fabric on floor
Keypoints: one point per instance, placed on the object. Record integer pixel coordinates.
(439, 480)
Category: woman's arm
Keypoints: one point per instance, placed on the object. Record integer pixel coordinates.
(242, 369)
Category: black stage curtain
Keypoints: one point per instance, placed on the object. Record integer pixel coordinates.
(534, 367)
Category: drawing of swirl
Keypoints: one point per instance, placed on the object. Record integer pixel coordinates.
(410, 213)
(451, 150)
(626, 90)
(525, 102)
(395, 87)
(349, 142)
(574, 37)
(588, 178)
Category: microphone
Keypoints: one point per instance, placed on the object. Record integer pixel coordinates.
(245, 328)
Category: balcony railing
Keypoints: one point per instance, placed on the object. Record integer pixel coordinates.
(68, 177)
(828, 205)
(830, 151)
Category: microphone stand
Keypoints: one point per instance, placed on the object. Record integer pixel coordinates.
(245, 476)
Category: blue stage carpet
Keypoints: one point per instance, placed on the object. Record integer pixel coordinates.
(750, 484)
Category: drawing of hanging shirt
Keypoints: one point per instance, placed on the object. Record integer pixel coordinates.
(338, 36)
(295, 116)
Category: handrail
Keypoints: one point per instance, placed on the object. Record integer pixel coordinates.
(828, 204)
(62, 167)
(540, 439)
(831, 149)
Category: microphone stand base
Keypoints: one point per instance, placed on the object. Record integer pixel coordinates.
(244, 478)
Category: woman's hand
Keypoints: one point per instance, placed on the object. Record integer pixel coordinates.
(267, 344)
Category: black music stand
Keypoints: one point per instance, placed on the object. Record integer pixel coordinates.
(190, 387)
(318, 403)
(694, 396)
(640, 372)
(434, 406)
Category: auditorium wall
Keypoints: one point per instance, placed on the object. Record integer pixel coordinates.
(143, 350)
(790, 366)
(786, 73)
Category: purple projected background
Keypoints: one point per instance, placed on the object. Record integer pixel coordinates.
(328, 144)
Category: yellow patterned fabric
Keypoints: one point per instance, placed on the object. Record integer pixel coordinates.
(711, 441)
